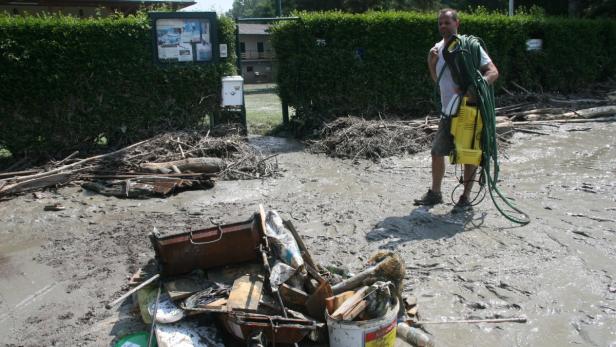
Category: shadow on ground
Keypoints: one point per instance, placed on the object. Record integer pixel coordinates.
(421, 224)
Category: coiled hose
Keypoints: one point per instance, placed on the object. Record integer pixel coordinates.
(467, 61)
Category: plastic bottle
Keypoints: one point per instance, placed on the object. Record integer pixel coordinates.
(414, 336)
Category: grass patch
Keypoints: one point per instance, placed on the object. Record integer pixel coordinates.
(263, 108)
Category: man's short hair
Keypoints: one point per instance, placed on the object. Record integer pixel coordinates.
(453, 13)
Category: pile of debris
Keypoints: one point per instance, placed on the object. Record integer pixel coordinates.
(256, 282)
(353, 138)
(163, 165)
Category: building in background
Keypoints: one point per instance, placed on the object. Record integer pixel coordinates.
(256, 54)
(86, 8)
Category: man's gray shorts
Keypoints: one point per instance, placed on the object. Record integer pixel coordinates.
(442, 145)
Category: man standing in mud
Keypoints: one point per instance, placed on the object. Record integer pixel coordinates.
(443, 144)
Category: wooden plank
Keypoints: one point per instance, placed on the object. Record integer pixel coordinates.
(332, 303)
(316, 301)
(262, 218)
(183, 287)
(245, 294)
(292, 295)
(350, 303)
(136, 278)
(216, 304)
(355, 311)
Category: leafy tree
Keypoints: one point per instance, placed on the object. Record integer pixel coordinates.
(252, 8)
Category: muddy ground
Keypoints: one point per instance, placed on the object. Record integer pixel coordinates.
(58, 269)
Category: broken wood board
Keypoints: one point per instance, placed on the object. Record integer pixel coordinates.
(316, 301)
(136, 278)
(355, 311)
(292, 295)
(245, 294)
(333, 302)
(218, 305)
(183, 287)
(350, 303)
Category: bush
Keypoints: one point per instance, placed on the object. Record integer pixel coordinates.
(374, 64)
(68, 81)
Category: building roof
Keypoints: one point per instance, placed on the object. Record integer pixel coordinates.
(254, 29)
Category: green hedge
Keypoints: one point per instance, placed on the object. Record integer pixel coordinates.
(334, 64)
(68, 81)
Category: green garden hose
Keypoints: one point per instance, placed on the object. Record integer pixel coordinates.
(467, 61)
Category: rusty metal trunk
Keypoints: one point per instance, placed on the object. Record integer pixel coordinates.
(208, 248)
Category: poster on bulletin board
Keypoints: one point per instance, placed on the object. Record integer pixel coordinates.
(185, 37)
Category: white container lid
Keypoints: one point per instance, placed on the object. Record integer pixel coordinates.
(232, 79)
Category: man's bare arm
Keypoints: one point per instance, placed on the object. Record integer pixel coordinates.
(489, 72)
(432, 59)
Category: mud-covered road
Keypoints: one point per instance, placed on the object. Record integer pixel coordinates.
(58, 269)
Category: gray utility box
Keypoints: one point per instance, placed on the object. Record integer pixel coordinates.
(232, 91)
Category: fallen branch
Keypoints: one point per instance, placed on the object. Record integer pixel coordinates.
(81, 162)
(18, 173)
(506, 91)
(575, 101)
(521, 88)
(203, 165)
(592, 112)
(570, 120)
(67, 158)
(36, 183)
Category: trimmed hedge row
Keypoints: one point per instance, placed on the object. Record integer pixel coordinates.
(334, 64)
(67, 82)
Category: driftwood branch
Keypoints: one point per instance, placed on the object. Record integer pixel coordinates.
(67, 158)
(18, 173)
(202, 165)
(36, 183)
